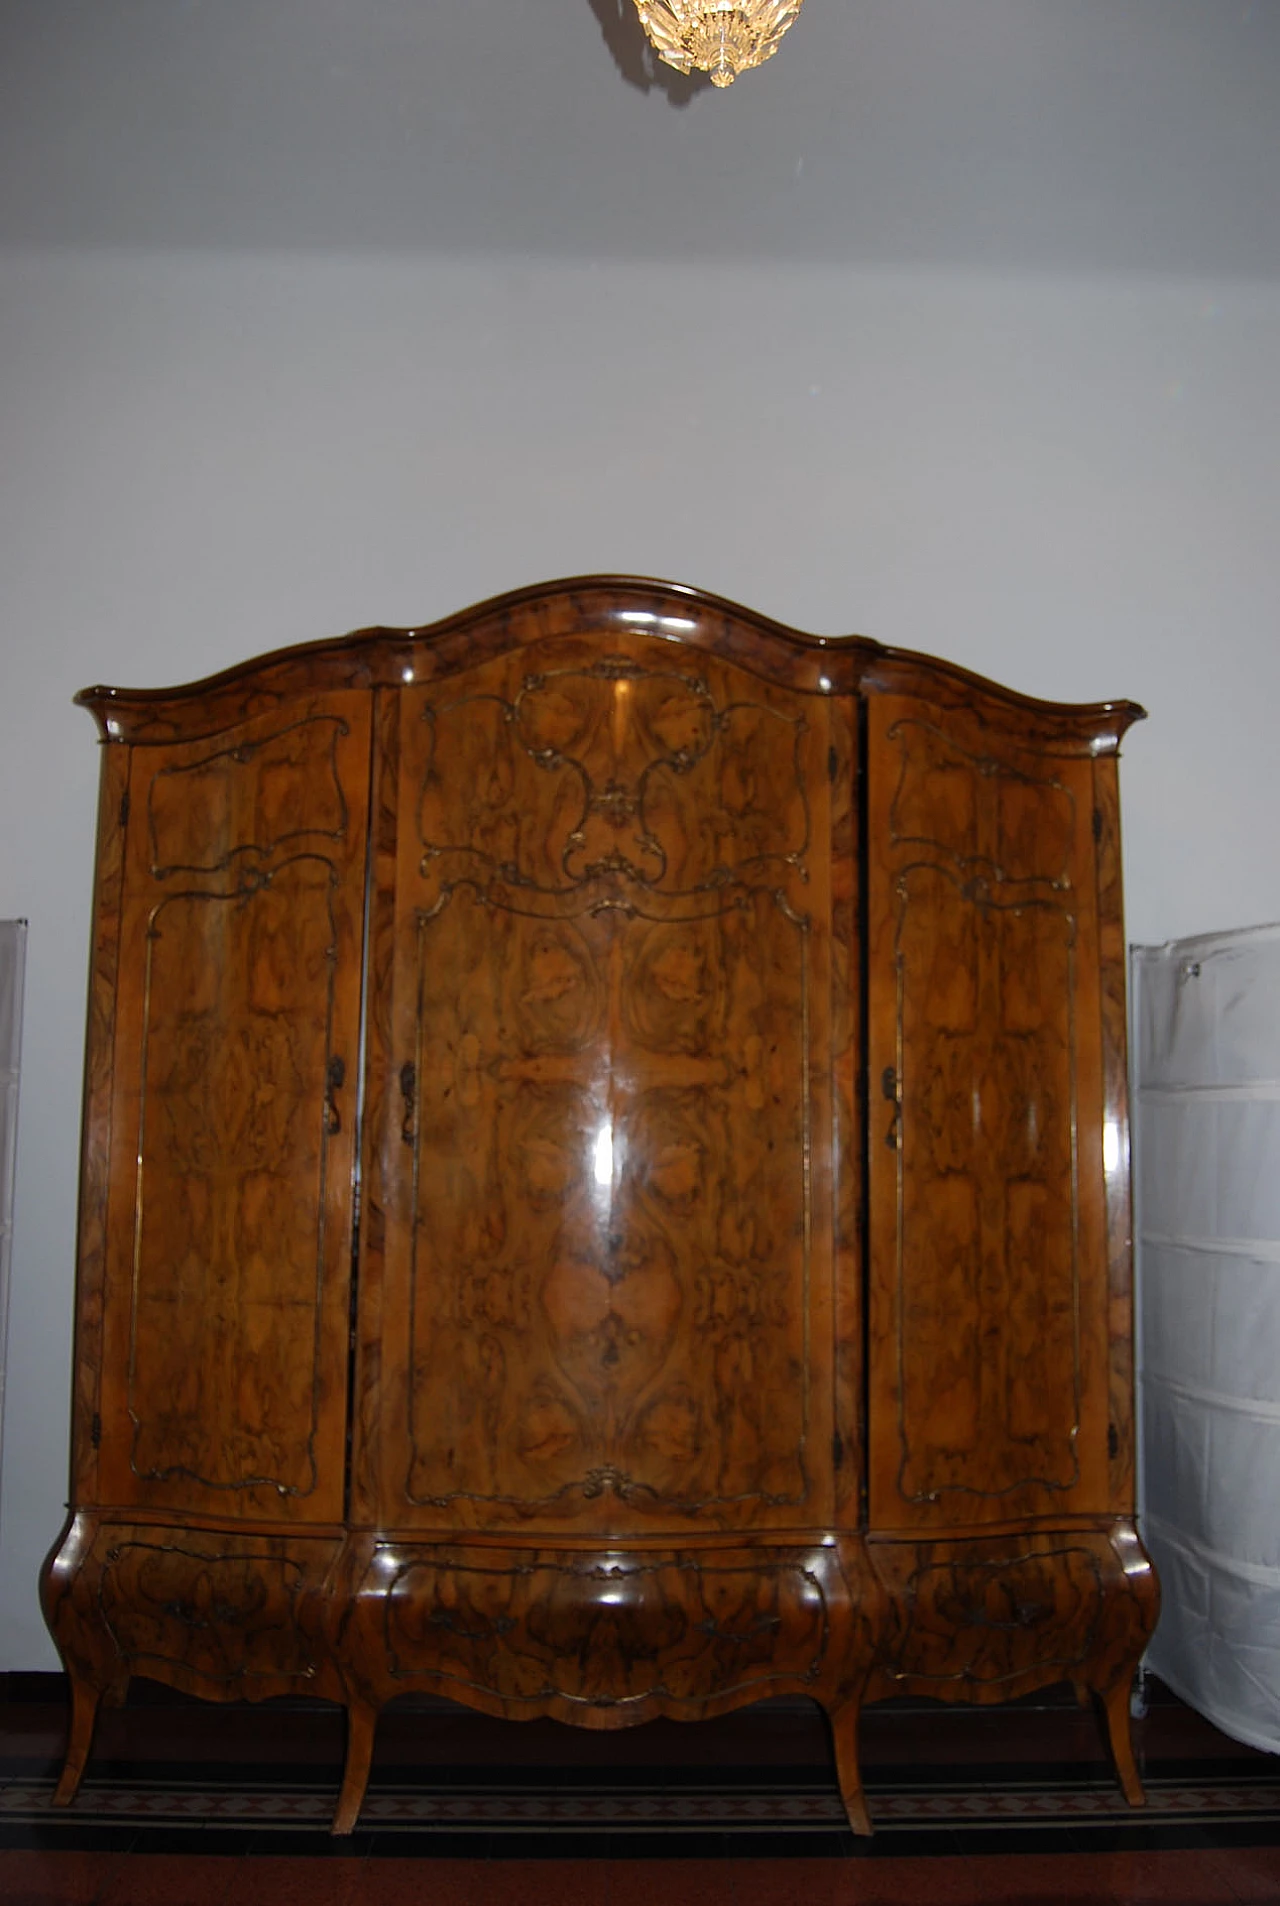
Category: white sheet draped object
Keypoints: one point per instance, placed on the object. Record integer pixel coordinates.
(1207, 1153)
(13, 946)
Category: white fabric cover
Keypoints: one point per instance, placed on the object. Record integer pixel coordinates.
(1207, 1155)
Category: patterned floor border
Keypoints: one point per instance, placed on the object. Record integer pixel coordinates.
(401, 1804)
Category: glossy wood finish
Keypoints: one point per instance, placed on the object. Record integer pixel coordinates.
(233, 1118)
(605, 1181)
(987, 1220)
(609, 1274)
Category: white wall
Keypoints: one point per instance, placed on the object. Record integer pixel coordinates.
(1069, 485)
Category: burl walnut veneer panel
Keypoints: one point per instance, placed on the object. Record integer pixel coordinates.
(988, 1221)
(614, 999)
(233, 1119)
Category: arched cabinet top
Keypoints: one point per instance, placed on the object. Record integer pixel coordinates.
(597, 608)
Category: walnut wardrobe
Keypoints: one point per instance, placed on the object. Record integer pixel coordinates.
(605, 1181)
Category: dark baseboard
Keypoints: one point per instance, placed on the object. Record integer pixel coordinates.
(22, 1685)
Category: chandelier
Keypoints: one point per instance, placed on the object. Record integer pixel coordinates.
(720, 37)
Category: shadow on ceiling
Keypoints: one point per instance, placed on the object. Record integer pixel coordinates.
(635, 58)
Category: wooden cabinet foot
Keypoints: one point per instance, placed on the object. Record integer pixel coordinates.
(1115, 1707)
(362, 1720)
(84, 1712)
(844, 1737)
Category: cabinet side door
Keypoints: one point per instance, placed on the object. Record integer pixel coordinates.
(233, 1119)
(988, 1300)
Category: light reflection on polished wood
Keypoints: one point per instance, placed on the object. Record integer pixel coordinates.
(614, 990)
(712, 983)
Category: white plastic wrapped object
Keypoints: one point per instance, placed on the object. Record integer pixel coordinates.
(1207, 1154)
(13, 944)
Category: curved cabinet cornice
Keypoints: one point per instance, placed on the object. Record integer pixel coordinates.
(596, 607)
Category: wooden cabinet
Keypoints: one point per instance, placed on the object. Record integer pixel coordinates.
(605, 1181)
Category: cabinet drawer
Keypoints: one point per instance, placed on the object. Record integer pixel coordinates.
(616, 1631)
(975, 1619)
(219, 1612)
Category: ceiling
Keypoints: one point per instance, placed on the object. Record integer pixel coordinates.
(1057, 135)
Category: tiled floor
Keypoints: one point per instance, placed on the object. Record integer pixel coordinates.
(188, 1804)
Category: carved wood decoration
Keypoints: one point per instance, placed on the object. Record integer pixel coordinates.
(595, 1199)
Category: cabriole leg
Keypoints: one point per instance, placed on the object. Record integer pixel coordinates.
(844, 1736)
(1115, 1705)
(84, 1712)
(362, 1719)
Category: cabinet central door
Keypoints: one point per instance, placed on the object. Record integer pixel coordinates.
(610, 1237)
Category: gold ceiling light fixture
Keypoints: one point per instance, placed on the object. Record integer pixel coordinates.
(720, 37)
